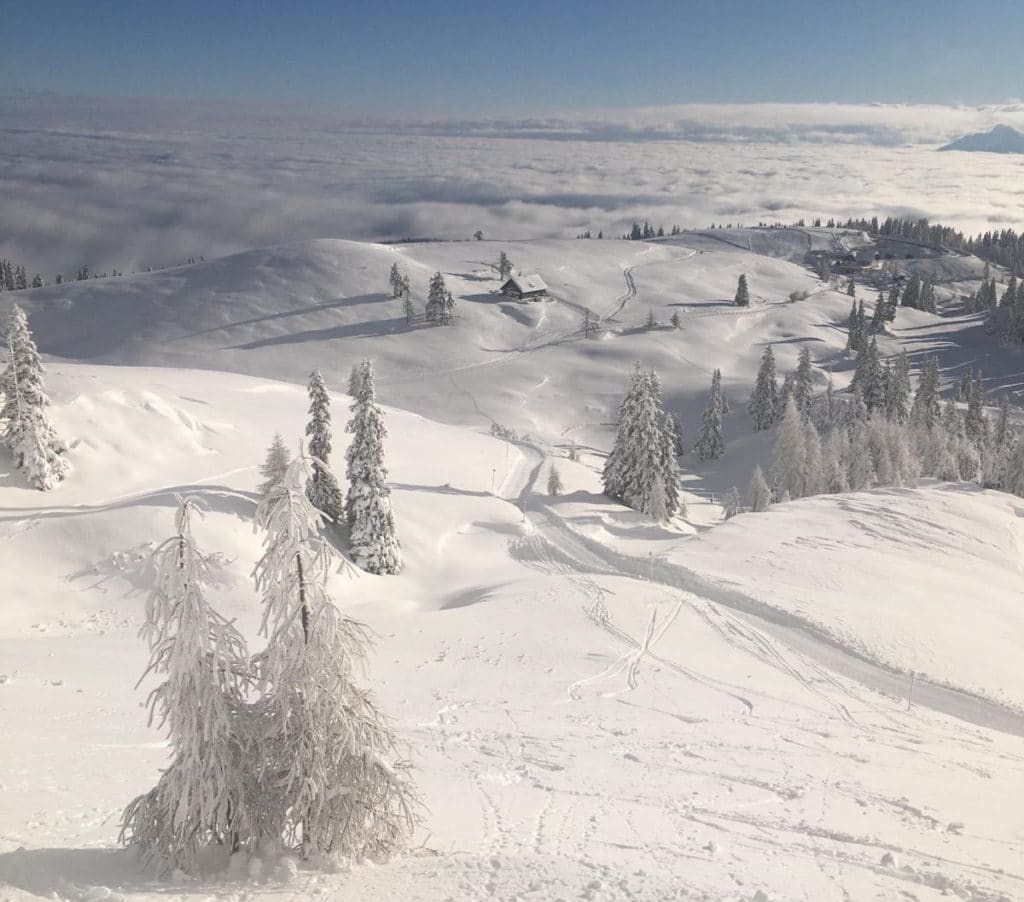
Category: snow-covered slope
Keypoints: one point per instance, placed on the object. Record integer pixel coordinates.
(767, 747)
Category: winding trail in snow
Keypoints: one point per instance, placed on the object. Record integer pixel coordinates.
(807, 639)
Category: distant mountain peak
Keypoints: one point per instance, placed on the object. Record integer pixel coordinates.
(999, 139)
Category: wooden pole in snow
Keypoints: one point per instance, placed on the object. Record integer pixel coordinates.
(910, 693)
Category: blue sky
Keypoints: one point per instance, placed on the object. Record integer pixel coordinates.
(397, 57)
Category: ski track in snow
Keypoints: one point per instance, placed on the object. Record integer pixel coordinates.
(803, 639)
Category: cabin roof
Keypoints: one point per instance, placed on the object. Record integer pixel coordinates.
(526, 284)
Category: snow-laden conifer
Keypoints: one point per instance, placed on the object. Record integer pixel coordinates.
(554, 482)
(328, 761)
(803, 382)
(927, 403)
(437, 299)
(368, 505)
(710, 443)
(274, 467)
(731, 504)
(324, 493)
(742, 298)
(789, 472)
(760, 492)
(644, 449)
(764, 402)
(397, 281)
(200, 799)
(28, 432)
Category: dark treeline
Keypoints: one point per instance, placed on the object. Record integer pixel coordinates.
(1004, 247)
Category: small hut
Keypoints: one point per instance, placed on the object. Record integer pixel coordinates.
(525, 288)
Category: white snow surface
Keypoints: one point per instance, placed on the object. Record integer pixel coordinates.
(767, 750)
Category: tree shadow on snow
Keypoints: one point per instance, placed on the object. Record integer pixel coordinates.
(352, 330)
(63, 873)
(332, 304)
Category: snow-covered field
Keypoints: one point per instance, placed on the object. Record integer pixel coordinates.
(767, 751)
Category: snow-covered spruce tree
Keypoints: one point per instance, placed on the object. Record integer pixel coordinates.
(324, 493)
(554, 482)
(731, 504)
(803, 383)
(273, 468)
(437, 298)
(976, 426)
(504, 266)
(675, 320)
(877, 324)
(328, 767)
(789, 472)
(449, 309)
(677, 434)
(200, 799)
(854, 338)
(867, 378)
(710, 443)
(407, 307)
(658, 505)
(354, 376)
(912, 293)
(764, 402)
(897, 390)
(851, 289)
(927, 408)
(742, 298)
(374, 540)
(892, 302)
(397, 280)
(28, 433)
(644, 449)
(785, 392)
(760, 492)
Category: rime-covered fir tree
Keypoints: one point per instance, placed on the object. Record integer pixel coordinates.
(368, 505)
(28, 433)
(854, 331)
(868, 378)
(327, 761)
(789, 473)
(354, 376)
(200, 799)
(554, 482)
(803, 383)
(760, 492)
(324, 493)
(927, 405)
(644, 449)
(397, 281)
(504, 266)
(437, 299)
(764, 402)
(710, 443)
(742, 298)
(731, 504)
(272, 469)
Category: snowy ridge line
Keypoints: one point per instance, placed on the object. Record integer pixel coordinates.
(167, 496)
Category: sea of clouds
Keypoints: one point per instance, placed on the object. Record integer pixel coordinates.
(137, 183)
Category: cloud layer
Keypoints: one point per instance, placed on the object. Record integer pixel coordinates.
(135, 184)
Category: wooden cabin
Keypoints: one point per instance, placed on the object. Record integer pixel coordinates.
(525, 288)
